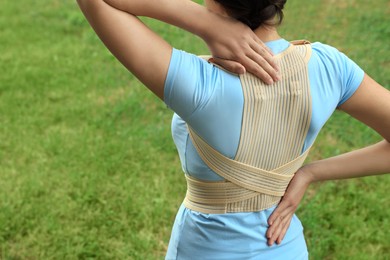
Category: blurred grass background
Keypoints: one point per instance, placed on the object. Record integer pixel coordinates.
(88, 169)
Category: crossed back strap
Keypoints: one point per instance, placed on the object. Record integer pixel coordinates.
(275, 123)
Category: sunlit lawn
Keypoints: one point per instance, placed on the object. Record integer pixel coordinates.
(88, 169)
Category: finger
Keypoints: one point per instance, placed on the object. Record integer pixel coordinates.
(280, 230)
(254, 68)
(276, 229)
(282, 212)
(281, 209)
(229, 65)
(266, 53)
(261, 43)
(284, 230)
(261, 60)
(272, 228)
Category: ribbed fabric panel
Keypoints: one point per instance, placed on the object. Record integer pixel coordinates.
(274, 114)
(274, 127)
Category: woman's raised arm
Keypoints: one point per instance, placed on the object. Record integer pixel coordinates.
(147, 55)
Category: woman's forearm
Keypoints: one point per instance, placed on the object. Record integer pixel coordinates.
(185, 14)
(371, 160)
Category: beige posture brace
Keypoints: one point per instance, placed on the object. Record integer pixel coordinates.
(275, 123)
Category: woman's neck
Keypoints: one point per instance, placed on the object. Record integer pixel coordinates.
(267, 33)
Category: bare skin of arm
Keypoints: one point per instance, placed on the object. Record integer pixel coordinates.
(371, 105)
(147, 55)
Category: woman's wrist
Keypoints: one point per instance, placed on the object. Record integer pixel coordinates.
(307, 174)
(368, 161)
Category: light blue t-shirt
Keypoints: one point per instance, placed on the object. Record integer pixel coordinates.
(211, 101)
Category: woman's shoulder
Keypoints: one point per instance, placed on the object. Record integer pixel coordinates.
(326, 51)
(191, 82)
(181, 58)
(333, 60)
(332, 69)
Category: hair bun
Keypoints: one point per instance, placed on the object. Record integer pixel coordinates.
(255, 13)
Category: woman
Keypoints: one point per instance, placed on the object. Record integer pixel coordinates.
(210, 102)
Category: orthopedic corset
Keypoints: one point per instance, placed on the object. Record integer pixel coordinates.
(275, 122)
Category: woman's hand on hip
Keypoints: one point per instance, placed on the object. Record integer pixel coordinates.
(280, 219)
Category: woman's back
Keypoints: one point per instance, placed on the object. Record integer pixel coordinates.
(211, 101)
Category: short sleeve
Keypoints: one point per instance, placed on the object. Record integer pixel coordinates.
(352, 77)
(349, 74)
(189, 83)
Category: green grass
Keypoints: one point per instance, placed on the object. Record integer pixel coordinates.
(88, 169)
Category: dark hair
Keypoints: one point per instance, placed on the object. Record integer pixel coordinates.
(255, 12)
